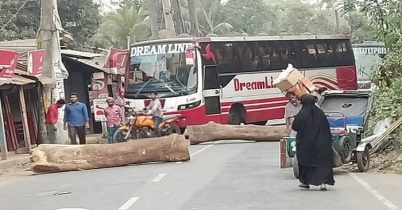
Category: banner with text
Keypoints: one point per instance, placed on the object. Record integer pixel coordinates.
(35, 62)
(8, 63)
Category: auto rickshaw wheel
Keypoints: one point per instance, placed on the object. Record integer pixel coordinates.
(295, 164)
(173, 128)
(346, 152)
(363, 160)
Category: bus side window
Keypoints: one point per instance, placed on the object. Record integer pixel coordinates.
(309, 54)
(344, 52)
(326, 53)
(295, 54)
(240, 56)
(267, 54)
(210, 78)
(249, 58)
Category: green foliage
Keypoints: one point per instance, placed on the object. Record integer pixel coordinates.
(254, 17)
(250, 16)
(81, 18)
(22, 24)
(129, 21)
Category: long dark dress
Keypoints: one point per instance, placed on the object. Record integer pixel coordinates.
(313, 144)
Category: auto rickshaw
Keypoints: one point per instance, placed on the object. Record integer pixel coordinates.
(347, 112)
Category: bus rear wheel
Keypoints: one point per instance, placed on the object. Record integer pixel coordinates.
(234, 119)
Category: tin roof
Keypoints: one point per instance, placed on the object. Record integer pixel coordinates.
(22, 70)
(22, 46)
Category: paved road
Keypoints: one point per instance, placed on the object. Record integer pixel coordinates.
(223, 176)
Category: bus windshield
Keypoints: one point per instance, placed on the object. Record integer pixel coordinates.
(161, 68)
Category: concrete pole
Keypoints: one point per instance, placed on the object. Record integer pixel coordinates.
(46, 28)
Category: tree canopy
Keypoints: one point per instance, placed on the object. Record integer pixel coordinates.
(20, 19)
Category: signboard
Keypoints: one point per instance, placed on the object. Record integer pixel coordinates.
(99, 105)
(361, 50)
(99, 87)
(35, 62)
(367, 57)
(158, 49)
(8, 63)
(116, 60)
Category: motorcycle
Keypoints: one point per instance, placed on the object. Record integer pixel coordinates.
(138, 125)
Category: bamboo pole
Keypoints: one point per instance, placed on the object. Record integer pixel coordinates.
(24, 117)
(3, 142)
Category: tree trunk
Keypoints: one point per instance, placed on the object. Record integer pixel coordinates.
(214, 132)
(337, 21)
(193, 18)
(49, 158)
(152, 5)
(177, 17)
(167, 13)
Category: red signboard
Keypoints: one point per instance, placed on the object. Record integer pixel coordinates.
(99, 87)
(116, 60)
(35, 62)
(8, 63)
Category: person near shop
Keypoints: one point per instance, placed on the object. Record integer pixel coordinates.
(113, 118)
(76, 119)
(52, 116)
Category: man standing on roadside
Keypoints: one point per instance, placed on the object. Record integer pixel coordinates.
(76, 119)
(52, 116)
(113, 118)
(155, 109)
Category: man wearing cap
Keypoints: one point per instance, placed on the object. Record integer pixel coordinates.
(113, 118)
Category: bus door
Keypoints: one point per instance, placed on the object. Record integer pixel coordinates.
(212, 93)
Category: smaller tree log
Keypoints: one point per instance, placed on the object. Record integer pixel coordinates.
(48, 158)
(214, 132)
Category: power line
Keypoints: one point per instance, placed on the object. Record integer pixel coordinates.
(8, 9)
(15, 15)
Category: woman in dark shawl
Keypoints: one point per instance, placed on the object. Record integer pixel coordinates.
(313, 145)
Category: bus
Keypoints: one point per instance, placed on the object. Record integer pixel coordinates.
(368, 55)
(230, 79)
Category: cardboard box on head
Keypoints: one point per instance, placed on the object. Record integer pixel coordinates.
(292, 80)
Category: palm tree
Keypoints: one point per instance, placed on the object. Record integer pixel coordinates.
(127, 22)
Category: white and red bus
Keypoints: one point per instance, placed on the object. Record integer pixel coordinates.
(230, 79)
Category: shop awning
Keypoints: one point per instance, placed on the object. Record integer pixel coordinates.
(22, 70)
(95, 62)
(17, 80)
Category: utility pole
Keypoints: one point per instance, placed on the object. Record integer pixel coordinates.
(167, 13)
(193, 18)
(46, 29)
(152, 5)
(3, 142)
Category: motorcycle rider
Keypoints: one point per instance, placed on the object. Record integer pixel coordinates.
(155, 109)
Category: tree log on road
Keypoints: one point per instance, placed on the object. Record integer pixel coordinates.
(214, 132)
(49, 158)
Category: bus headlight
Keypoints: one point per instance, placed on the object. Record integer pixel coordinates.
(189, 106)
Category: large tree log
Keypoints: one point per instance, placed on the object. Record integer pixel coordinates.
(48, 158)
(214, 132)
